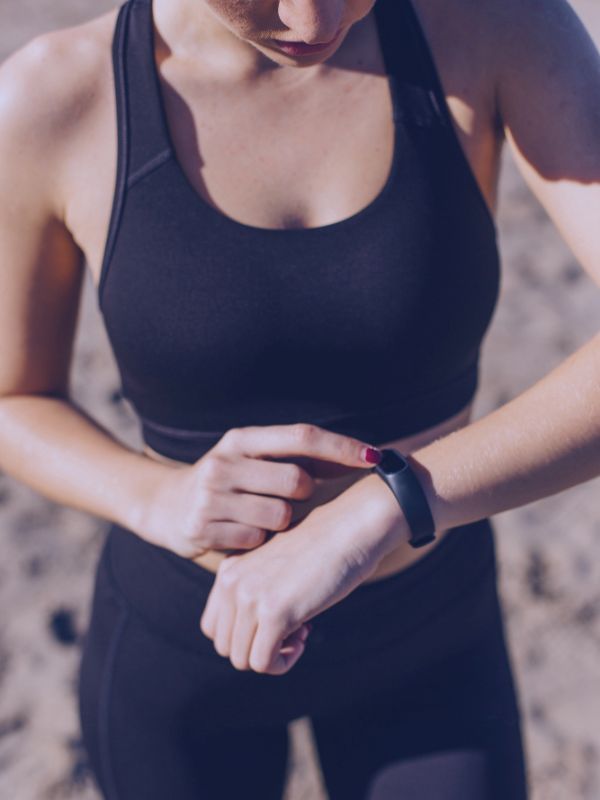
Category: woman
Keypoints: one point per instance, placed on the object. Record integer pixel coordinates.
(296, 257)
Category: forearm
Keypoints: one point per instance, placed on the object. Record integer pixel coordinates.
(545, 440)
(59, 451)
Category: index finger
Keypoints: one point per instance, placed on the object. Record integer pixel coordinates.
(299, 439)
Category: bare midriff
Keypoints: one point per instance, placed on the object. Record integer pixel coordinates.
(326, 489)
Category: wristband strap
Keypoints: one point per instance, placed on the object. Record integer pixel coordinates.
(395, 470)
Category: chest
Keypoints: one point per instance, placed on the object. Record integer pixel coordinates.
(299, 157)
(303, 159)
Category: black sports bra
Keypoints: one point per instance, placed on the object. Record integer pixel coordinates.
(370, 326)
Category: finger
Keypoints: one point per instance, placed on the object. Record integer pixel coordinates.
(258, 511)
(231, 536)
(208, 619)
(224, 625)
(284, 479)
(267, 644)
(243, 632)
(291, 650)
(304, 630)
(314, 467)
(265, 513)
(318, 468)
(298, 439)
(301, 633)
(255, 475)
(290, 642)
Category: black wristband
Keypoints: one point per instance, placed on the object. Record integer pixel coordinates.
(395, 470)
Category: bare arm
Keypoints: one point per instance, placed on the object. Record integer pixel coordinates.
(46, 441)
(229, 498)
(57, 449)
(547, 439)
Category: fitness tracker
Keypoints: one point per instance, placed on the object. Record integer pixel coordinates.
(399, 476)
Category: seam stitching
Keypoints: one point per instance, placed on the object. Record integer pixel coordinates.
(104, 703)
(123, 144)
(186, 433)
(149, 167)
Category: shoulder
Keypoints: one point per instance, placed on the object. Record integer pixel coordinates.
(522, 22)
(541, 50)
(547, 69)
(519, 52)
(507, 28)
(526, 32)
(51, 88)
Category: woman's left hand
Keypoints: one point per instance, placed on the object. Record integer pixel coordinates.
(260, 600)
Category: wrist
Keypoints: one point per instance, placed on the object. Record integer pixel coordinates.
(377, 521)
(147, 477)
(396, 470)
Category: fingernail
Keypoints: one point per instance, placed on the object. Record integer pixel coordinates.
(371, 455)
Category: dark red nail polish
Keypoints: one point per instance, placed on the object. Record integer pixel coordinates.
(372, 456)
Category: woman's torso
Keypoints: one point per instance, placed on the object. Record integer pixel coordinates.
(282, 174)
(291, 196)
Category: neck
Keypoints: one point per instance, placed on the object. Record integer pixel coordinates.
(191, 31)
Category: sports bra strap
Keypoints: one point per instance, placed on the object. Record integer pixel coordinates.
(143, 134)
(418, 94)
(142, 127)
(421, 67)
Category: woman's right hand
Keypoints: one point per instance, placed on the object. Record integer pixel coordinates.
(237, 491)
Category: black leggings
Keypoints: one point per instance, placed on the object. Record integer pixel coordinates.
(406, 683)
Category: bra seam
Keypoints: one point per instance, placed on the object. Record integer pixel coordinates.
(186, 432)
(399, 115)
(402, 113)
(123, 182)
(123, 141)
(149, 167)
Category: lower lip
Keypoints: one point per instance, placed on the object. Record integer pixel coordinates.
(303, 49)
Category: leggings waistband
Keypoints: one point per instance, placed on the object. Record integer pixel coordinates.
(169, 592)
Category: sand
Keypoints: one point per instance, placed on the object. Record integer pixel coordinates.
(548, 550)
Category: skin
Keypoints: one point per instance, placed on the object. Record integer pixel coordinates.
(59, 137)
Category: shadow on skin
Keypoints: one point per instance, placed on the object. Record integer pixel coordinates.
(561, 109)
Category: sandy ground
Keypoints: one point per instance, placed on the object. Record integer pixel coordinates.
(548, 550)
